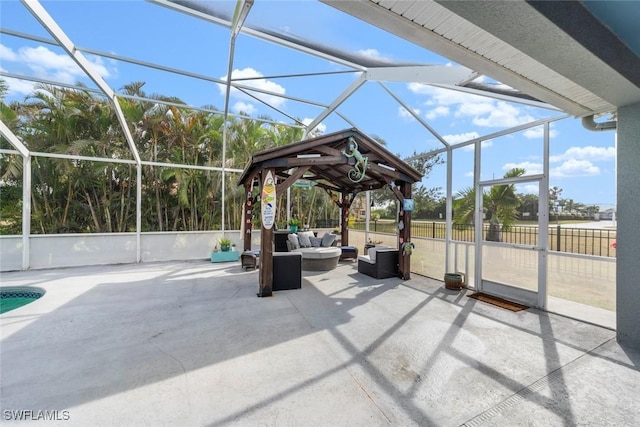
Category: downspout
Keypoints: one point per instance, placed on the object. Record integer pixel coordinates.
(590, 124)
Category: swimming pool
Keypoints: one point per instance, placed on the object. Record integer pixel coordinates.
(17, 296)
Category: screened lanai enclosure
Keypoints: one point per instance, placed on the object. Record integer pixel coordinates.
(126, 144)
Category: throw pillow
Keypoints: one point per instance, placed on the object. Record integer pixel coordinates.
(315, 241)
(372, 253)
(303, 237)
(328, 239)
(293, 238)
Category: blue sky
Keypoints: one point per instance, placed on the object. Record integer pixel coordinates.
(582, 162)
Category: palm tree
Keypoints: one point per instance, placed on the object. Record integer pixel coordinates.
(10, 173)
(97, 196)
(500, 204)
(71, 195)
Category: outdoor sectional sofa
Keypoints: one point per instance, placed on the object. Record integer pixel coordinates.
(318, 254)
(381, 262)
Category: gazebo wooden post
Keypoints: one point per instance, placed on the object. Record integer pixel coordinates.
(404, 266)
(248, 215)
(266, 248)
(344, 212)
(343, 163)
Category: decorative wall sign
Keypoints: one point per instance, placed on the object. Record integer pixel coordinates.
(268, 201)
(408, 205)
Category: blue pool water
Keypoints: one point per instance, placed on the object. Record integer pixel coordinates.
(14, 297)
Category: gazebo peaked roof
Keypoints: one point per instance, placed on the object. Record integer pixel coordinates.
(345, 162)
(323, 160)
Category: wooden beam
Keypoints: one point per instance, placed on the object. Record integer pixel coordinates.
(330, 145)
(369, 145)
(324, 160)
(302, 146)
(404, 261)
(328, 187)
(397, 192)
(297, 174)
(251, 178)
(330, 151)
(384, 171)
(344, 212)
(375, 157)
(249, 203)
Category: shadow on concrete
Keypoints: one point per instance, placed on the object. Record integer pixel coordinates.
(193, 316)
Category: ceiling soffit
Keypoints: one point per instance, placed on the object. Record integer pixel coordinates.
(566, 38)
(437, 28)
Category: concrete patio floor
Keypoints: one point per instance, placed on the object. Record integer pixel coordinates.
(190, 344)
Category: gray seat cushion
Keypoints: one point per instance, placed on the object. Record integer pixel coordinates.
(319, 253)
(328, 239)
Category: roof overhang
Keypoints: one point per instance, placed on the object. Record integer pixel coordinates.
(557, 52)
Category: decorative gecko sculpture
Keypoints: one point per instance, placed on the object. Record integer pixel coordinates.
(357, 173)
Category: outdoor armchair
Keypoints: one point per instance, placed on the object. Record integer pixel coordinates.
(381, 263)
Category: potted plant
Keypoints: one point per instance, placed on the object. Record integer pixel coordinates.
(225, 244)
(294, 223)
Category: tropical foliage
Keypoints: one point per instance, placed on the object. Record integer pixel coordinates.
(425, 198)
(500, 205)
(96, 192)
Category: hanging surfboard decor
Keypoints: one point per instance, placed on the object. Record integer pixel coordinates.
(268, 200)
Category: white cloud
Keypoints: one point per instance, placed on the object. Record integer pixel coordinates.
(538, 132)
(445, 97)
(470, 174)
(49, 65)
(403, 113)
(373, 54)
(16, 86)
(573, 167)
(440, 111)
(568, 169)
(484, 144)
(41, 58)
(471, 109)
(483, 111)
(258, 83)
(527, 188)
(318, 130)
(530, 167)
(586, 153)
(503, 115)
(244, 107)
(463, 137)
(46, 63)
(6, 54)
(460, 137)
(575, 162)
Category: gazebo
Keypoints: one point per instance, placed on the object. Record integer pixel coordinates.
(343, 163)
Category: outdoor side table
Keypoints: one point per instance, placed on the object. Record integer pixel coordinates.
(349, 252)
